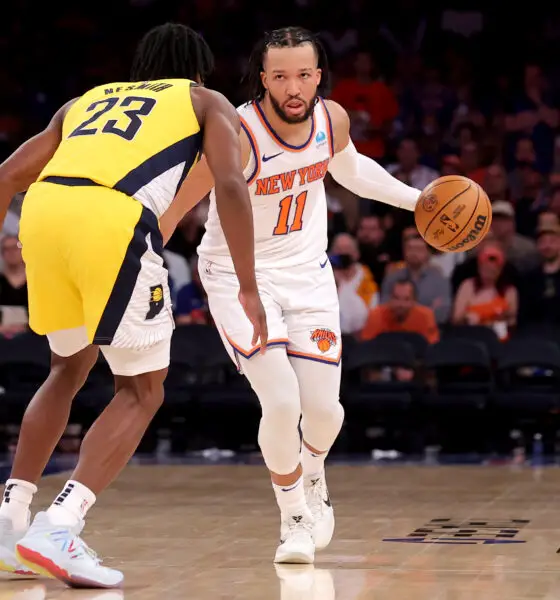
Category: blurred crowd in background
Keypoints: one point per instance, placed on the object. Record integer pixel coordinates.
(444, 89)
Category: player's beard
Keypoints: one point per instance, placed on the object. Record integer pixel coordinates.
(287, 118)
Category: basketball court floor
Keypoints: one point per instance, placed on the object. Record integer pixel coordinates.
(403, 533)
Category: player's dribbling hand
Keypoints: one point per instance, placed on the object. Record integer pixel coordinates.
(252, 305)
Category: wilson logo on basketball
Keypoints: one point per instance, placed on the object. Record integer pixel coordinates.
(473, 233)
(429, 202)
(324, 338)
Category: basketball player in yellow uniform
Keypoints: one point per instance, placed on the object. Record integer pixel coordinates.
(107, 166)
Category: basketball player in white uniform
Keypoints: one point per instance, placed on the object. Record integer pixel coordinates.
(290, 139)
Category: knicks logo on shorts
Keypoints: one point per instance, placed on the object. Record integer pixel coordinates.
(324, 338)
(156, 302)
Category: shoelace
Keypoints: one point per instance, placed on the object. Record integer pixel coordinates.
(316, 496)
(300, 529)
(90, 552)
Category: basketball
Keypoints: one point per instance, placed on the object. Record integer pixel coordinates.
(453, 214)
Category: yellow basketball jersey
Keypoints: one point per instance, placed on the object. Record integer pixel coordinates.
(140, 138)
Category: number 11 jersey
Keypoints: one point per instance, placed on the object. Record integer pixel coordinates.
(287, 193)
(139, 138)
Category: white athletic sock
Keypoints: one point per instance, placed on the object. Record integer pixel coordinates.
(71, 505)
(291, 498)
(16, 501)
(313, 463)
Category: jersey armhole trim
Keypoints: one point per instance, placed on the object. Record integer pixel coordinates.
(329, 126)
(254, 149)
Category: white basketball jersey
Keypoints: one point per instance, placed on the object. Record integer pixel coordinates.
(287, 193)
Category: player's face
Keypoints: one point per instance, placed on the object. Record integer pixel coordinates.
(291, 78)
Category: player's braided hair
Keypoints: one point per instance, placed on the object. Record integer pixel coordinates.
(172, 51)
(287, 37)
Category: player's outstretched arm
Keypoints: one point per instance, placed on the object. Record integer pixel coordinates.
(361, 174)
(23, 167)
(222, 149)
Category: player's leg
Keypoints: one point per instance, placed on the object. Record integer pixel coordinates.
(315, 350)
(321, 423)
(275, 384)
(125, 304)
(44, 422)
(105, 451)
(272, 378)
(47, 415)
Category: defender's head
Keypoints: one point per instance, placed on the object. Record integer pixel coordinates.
(172, 51)
(290, 67)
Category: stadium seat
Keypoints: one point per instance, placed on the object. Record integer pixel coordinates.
(461, 379)
(372, 396)
(416, 341)
(24, 361)
(476, 333)
(462, 372)
(529, 376)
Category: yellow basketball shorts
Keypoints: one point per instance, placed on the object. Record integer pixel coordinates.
(94, 259)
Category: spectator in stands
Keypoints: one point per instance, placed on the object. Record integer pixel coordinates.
(471, 162)
(531, 201)
(540, 293)
(371, 105)
(469, 268)
(488, 298)
(191, 306)
(554, 200)
(547, 219)
(346, 255)
(374, 252)
(353, 310)
(408, 169)
(520, 250)
(534, 114)
(401, 312)
(496, 182)
(433, 289)
(451, 165)
(342, 37)
(13, 288)
(524, 157)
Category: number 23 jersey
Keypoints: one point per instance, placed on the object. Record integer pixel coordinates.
(287, 193)
(139, 138)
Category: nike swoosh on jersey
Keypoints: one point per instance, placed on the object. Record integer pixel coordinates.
(266, 158)
(323, 265)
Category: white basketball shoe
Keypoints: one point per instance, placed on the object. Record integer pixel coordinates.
(296, 539)
(58, 551)
(319, 502)
(8, 560)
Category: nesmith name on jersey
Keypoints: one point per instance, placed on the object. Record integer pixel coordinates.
(286, 181)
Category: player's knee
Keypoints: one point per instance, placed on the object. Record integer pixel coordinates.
(326, 408)
(145, 390)
(281, 409)
(74, 370)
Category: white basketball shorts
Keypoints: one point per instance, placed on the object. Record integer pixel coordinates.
(301, 305)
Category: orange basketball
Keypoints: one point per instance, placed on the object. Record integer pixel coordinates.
(453, 214)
